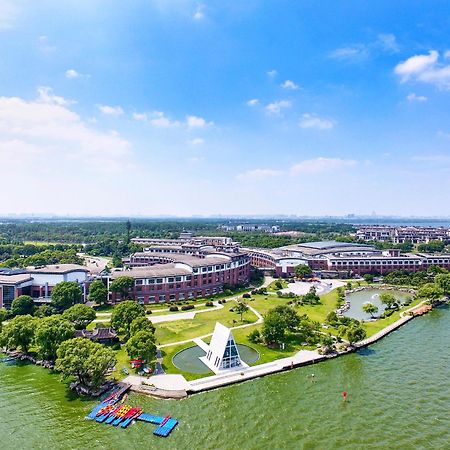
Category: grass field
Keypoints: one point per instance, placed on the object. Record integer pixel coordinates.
(202, 324)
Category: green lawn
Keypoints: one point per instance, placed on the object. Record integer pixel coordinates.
(373, 327)
(274, 288)
(202, 324)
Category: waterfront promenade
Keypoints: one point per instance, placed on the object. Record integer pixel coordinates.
(176, 386)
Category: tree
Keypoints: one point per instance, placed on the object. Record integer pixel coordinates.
(254, 336)
(3, 314)
(80, 315)
(302, 270)
(430, 291)
(124, 314)
(388, 299)
(443, 281)
(66, 294)
(128, 225)
(311, 297)
(241, 308)
(274, 328)
(141, 346)
(22, 305)
(19, 332)
(141, 323)
(44, 311)
(50, 333)
(122, 285)
(98, 292)
(87, 361)
(370, 308)
(277, 321)
(289, 315)
(355, 334)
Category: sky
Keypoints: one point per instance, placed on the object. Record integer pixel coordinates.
(180, 107)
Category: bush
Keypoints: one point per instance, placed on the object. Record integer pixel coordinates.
(246, 295)
(254, 336)
(209, 303)
(173, 308)
(149, 311)
(231, 310)
(186, 307)
(115, 346)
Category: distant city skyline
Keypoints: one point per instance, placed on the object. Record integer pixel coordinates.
(185, 108)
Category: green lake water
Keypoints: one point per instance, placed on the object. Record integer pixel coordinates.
(398, 398)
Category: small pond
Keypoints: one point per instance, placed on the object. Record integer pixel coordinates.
(357, 300)
(188, 360)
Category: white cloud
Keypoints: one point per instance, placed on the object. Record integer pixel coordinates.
(259, 174)
(253, 102)
(8, 14)
(196, 141)
(388, 42)
(140, 116)
(160, 120)
(275, 108)
(110, 110)
(434, 159)
(315, 122)
(355, 52)
(384, 43)
(318, 165)
(45, 95)
(415, 65)
(197, 122)
(289, 84)
(199, 12)
(413, 97)
(72, 73)
(272, 73)
(425, 68)
(46, 130)
(44, 45)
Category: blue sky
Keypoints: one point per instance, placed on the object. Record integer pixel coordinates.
(221, 107)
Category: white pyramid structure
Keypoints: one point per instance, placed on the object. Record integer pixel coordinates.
(222, 353)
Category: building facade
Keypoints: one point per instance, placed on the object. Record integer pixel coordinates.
(160, 277)
(38, 282)
(345, 259)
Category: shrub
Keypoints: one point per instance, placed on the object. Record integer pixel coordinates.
(186, 307)
(246, 295)
(149, 311)
(115, 346)
(254, 336)
(231, 310)
(173, 308)
(209, 303)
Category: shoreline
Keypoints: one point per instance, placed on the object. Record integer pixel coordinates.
(179, 388)
(302, 358)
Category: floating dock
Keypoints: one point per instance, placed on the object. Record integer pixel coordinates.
(110, 412)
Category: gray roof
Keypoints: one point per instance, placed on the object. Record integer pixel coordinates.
(155, 271)
(14, 278)
(57, 268)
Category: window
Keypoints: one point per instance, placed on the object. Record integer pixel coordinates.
(162, 298)
(159, 281)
